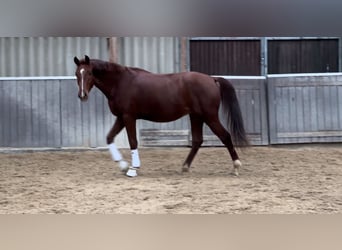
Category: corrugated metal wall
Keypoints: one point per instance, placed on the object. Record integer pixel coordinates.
(305, 108)
(53, 56)
(47, 56)
(155, 54)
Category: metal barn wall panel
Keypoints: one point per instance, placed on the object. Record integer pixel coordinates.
(174, 133)
(226, 57)
(251, 92)
(47, 56)
(84, 124)
(305, 108)
(46, 112)
(30, 113)
(155, 54)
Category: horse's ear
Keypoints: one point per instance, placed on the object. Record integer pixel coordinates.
(77, 62)
(87, 60)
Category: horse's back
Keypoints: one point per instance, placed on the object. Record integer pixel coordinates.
(202, 84)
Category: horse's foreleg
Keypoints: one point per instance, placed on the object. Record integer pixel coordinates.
(130, 124)
(197, 140)
(225, 137)
(115, 130)
(116, 155)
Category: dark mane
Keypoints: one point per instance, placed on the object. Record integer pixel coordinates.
(105, 66)
(138, 69)
(100, 66)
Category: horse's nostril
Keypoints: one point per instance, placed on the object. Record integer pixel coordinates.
(83, 97)
(82, 94)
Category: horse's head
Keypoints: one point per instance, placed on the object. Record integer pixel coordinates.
(85, 78)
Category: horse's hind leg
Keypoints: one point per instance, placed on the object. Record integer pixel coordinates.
(197, 140)
(130, 124)
(218, 129)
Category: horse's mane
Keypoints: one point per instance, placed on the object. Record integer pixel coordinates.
(138, 69)
(100, 66)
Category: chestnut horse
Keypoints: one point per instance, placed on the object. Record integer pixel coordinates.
(135, 93)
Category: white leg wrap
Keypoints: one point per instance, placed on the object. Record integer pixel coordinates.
(123, 165)
(237, 164)
(135, 158)
(116, 155)
(132, 172)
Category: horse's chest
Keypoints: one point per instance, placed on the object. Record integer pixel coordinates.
(114, 108)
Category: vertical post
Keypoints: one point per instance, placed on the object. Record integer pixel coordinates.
(340, 54)
(184, 54)
(264, 56)
(113, 49)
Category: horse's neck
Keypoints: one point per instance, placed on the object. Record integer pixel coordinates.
(111, 78)
(108, 83)
(105, 87)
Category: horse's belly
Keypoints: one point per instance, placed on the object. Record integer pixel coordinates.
(159, 114)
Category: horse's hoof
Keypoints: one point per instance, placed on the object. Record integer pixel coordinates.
(237, 164)
(185, 169)
(132, 172)
(123, 165)
(235, 172)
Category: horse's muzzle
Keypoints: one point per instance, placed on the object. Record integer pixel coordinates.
(83, 97)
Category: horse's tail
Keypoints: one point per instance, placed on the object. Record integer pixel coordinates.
(231, 108)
